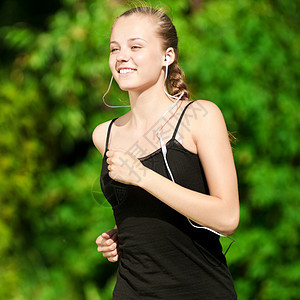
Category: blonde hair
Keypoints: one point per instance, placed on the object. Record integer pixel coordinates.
(167, 33)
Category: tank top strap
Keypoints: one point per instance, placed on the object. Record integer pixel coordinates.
(108, 133)
(180, 119)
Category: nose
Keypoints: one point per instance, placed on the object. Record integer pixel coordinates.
(123, 55)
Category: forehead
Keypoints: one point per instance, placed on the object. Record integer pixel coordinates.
(137, 26)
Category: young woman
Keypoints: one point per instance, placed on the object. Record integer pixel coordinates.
(167, 167)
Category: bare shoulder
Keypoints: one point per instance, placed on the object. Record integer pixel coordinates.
(206, 112)
(99, 136)
(207, 119)
(205, 109)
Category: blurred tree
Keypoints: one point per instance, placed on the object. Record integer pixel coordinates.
(239, 54)
(33, 13)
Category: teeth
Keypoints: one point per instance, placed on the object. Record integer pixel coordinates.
(124, 71)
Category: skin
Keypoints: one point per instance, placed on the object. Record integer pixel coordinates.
(108, 244)
(135, 45)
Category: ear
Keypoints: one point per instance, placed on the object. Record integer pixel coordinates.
(170, 55)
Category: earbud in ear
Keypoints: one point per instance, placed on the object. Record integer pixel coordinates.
(167, 58)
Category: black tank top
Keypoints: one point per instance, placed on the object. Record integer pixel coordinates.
(162, 256)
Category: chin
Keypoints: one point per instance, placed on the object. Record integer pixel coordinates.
(127, 87)
(135, 87)
(124, 86)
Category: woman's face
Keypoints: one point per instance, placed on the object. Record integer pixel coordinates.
(136, 55)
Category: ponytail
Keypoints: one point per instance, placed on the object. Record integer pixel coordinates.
(175, 81)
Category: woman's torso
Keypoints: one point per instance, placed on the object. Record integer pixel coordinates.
(161, 255)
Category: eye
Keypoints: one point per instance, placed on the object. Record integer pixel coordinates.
(135, 47)
(113, 50)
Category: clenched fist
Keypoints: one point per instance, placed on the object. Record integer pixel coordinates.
(108, 244)
(125, 167)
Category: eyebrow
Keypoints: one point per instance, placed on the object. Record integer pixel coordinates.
(132, 39)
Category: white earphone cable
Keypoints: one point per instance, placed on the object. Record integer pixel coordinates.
(103, 97)
(164, 152)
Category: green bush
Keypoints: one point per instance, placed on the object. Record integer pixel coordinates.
(242, 55)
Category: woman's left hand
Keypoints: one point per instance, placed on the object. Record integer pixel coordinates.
(125, 167)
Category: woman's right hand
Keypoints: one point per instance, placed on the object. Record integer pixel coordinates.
(108, 244)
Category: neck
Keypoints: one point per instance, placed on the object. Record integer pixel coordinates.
(147, 107)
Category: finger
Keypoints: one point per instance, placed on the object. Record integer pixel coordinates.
(107, 234)
(107, 248)
(100, 240)
(113, 259)
(110, 253)
(106, 239)
(109, 242)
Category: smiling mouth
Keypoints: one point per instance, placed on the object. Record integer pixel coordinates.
(125, 71)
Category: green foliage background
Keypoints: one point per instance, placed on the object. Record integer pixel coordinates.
(243, 55)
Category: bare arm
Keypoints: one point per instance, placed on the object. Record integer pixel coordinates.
(107, 242)
(99, 136)
(220, 209)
